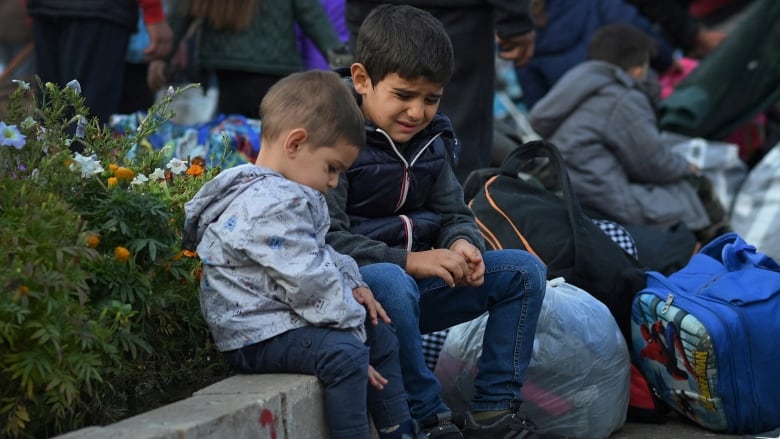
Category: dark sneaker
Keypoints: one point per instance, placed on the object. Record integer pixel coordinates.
(507, 426)
(439, 427)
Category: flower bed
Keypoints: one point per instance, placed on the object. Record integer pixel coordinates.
(100, 316)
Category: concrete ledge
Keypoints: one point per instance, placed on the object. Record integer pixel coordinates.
(277, 406)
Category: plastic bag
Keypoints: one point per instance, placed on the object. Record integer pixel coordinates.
(757, 205)
(719, 161)
(577, 384)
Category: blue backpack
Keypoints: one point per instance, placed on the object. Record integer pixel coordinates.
(706, 337)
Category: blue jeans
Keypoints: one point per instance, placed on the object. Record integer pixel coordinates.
(341, 362)
(512, 293)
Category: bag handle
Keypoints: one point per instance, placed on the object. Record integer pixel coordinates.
(739, 255)
(542, 160)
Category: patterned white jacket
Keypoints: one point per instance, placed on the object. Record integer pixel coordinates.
(266, 267)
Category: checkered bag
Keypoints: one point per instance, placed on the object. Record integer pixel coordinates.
(620, 235)
(431, 346)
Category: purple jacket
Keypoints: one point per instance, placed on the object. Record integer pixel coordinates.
(311, 56)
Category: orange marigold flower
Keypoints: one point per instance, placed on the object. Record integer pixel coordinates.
(195, 170)
(190, 254)
(113, 167)
(200, 161)
(93, 240)
(112, 181)
(121, 254)
(23, 290)
(123, 173)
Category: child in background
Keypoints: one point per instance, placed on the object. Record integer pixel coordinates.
(399, 211)
(275, 296)
(605, 126)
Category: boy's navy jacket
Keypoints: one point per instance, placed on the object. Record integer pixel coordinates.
(400, 198)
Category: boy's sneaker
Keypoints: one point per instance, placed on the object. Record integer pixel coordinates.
(439, 427)
(506, 426)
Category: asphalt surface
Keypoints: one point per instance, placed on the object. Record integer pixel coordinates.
(675, 428)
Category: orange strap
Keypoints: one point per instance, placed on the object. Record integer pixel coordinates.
(494, 205)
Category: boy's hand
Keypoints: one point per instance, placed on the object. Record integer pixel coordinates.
(365, 297)
(446, 264)
(375, 378)
(476, 274)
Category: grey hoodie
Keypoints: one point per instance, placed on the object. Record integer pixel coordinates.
(607, 132)
(266, 267)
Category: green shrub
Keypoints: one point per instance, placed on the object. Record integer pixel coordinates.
(99, 317)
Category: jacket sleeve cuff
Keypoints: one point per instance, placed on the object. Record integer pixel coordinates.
(153, 11)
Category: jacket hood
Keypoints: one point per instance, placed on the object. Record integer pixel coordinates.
(214, 197)
(578, 84)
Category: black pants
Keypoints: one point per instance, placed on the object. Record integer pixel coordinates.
(136, 95)
(468, 99)
(89, 50)
(241, 92)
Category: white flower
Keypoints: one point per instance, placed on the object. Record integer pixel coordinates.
(88, 166)
(28, 122)
(22, 84)
(74, 84)
(177, 166)
(41, 134)
(158, 174)
(139, 179)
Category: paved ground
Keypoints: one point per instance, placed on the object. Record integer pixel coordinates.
(675, 428)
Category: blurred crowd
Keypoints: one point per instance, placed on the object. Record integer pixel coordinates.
(124, 51)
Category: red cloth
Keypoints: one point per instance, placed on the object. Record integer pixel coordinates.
(152, 10)
(703, 8)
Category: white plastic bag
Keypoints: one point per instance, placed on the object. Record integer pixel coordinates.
(577, 384)
(718, 161)
(757, 205)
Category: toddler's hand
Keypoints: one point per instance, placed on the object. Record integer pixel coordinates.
(365, 297)
(375, 378)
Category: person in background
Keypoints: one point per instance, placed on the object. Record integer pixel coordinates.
(606, 128)
(563, 29)
(276, 297)
(680, 26)
(478, 29)
(87, 41)
(399, 212)
(311, 56)
(248, 44)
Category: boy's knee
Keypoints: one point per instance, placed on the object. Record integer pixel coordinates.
(389, 283)
(531, 270)
(342, 359)
(384, 337)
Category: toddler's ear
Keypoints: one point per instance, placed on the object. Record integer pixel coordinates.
(294, 140)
